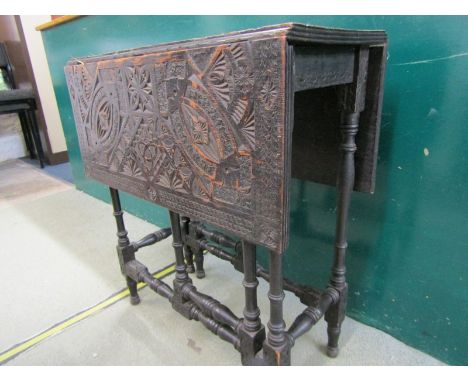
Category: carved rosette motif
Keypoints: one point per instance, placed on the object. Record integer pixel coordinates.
(198, 131)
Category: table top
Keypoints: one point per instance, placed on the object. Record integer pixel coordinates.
(294, 32)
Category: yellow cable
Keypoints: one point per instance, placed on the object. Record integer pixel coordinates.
(8, 354)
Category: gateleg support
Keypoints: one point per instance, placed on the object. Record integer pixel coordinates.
(353, 100)
(336, 313)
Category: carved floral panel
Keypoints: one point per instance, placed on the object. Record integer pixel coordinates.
(197, 130)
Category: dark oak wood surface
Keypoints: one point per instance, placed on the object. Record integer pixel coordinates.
(212, 128)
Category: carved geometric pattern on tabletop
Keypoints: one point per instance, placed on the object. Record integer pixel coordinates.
(197, 130)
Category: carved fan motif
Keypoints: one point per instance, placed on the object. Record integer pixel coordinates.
(217, 79)
(239, 109)
(199, 190)
(130, 167)
(200, 131)
(244, 78)
(268, 93)
(237, 52)
(248, 130)
(172, 180)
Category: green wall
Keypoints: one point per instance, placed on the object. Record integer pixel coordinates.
(408, 247)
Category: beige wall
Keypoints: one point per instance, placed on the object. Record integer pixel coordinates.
(45, 89)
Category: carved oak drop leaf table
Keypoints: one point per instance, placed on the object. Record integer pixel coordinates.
(213, 129)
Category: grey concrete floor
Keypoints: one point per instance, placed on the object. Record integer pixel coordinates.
(58, 258)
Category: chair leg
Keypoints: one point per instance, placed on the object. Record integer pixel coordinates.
(35, 135)
(26, 134)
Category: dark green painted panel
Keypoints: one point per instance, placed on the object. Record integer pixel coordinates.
(407, 264)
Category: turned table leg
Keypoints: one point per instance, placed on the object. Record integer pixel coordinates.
(188, 253)
(199, 259)
(252, 332)
(124, 249)
(276, 348)
(336, 314)
(181, 276)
